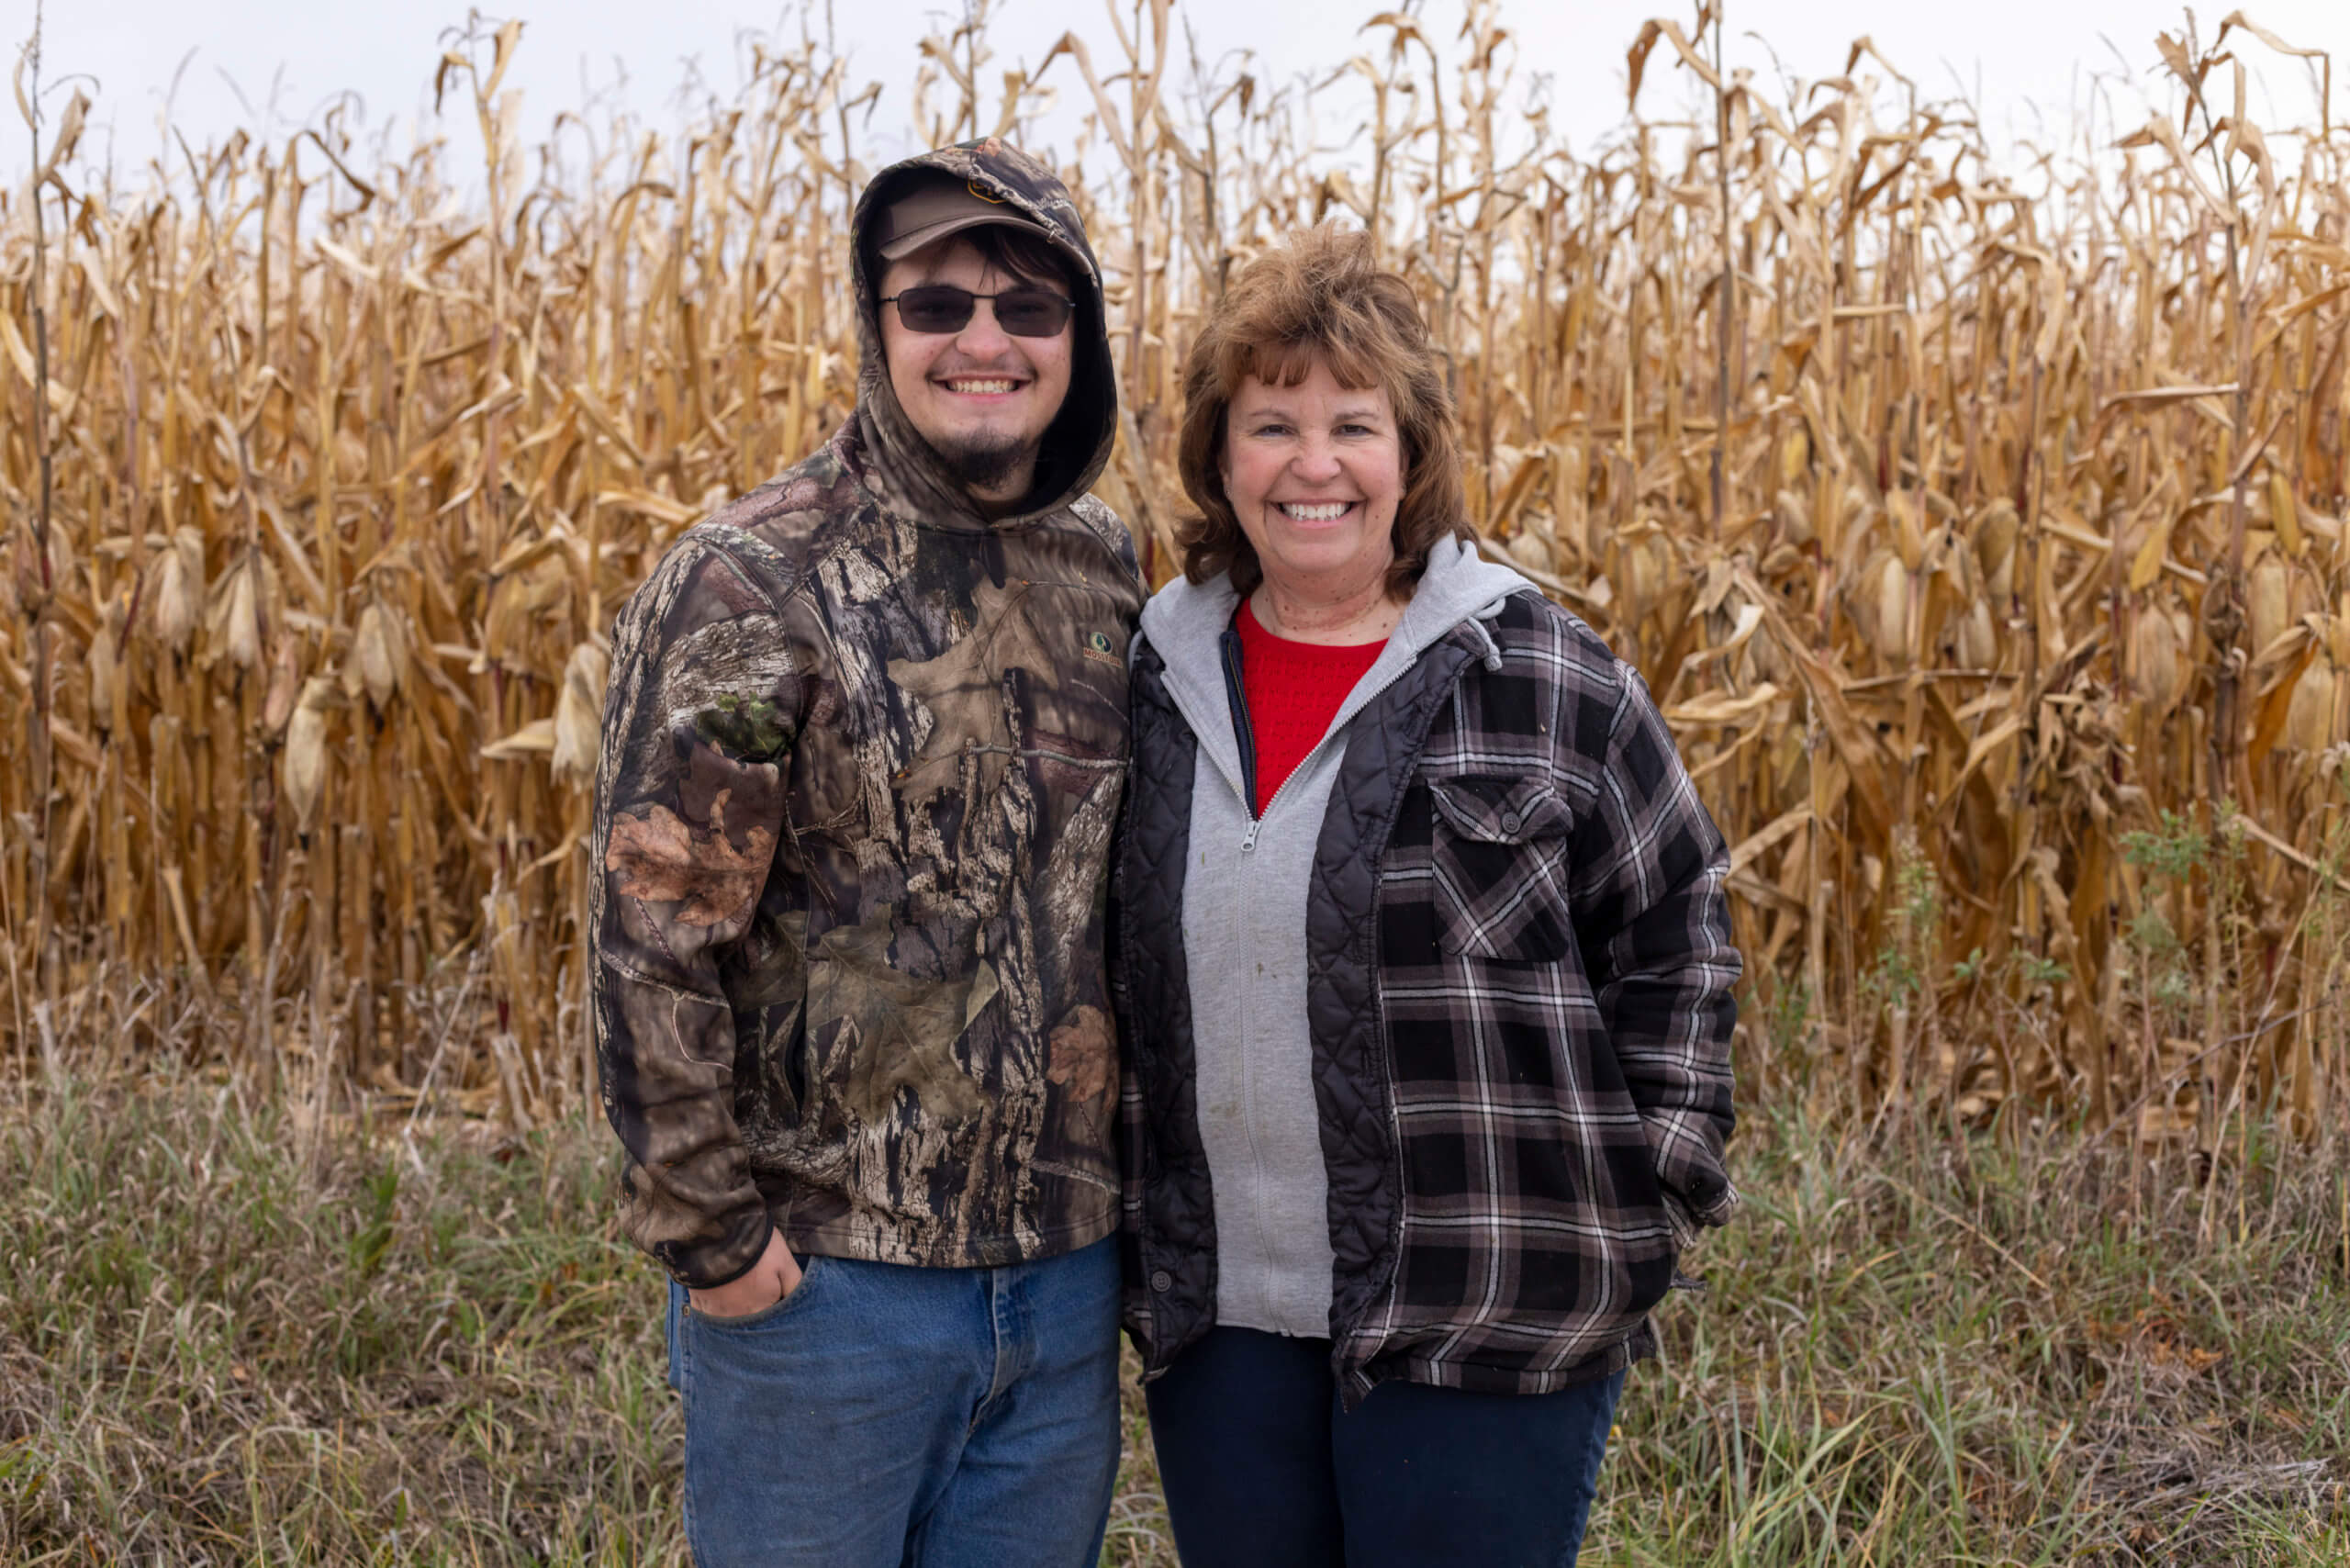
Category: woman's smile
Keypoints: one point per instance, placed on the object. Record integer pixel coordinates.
(1310, 513)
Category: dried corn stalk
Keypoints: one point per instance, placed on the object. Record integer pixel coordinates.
(352, 470)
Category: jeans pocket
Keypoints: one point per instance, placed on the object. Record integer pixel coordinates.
(773, 1310)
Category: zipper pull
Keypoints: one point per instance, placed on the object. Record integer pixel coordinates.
(1248, 840)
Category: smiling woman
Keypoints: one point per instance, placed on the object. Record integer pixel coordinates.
(1428, 1011)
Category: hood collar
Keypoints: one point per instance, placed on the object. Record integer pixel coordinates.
(1076, 448)
(1185, 622)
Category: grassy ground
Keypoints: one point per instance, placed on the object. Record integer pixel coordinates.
(222, 1340)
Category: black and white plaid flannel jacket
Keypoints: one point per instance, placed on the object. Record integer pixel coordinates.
(1520, 968)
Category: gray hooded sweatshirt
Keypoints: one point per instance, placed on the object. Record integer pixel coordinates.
(1244, 939)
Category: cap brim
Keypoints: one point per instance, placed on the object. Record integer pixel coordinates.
(906, 244)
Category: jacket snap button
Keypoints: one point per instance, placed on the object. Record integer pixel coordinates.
(1510, 822)
(1162, 1282)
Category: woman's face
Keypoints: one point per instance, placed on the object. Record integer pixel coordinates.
(1313, 472)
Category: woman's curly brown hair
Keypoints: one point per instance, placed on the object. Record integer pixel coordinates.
(1319, 299)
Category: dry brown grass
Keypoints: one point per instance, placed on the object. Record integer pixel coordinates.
(223, 1343)
(2028, 531)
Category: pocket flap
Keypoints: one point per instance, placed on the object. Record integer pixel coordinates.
(1499, 810)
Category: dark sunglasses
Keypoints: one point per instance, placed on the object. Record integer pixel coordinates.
(937, 307)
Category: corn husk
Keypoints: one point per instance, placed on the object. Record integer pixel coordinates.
(2270, 593)
(1639, 580)
(232, 618)
(1531, 549)
(304, 770)
(106, 668)
(579, 716)
(176, 590)
(1994, 539)
(1887, 584)
(2284, 511)
(284, 686)
(2309, 718)
(1794, 514)
(1978, 637)
(379, 650)
(2157, 653)
(1795, 456)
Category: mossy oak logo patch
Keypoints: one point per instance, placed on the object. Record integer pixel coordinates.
(1097, 648)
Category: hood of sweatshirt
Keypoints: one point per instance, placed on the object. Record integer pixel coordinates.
(901, 463)
(1186, 621)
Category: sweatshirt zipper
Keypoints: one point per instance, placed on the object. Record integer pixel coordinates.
(1236, 698)
(1235, 694)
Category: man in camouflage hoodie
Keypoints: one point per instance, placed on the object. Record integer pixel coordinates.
(863, 749)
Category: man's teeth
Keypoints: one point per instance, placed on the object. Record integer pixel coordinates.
(1327, 512)
(979, 388)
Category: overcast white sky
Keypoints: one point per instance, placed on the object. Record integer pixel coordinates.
(2026, 55)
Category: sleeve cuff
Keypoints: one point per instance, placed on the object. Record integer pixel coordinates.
(1707, 1202)
(1713, 1199)
(722, 1262)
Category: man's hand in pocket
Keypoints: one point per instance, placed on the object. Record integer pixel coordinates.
(775, 1276)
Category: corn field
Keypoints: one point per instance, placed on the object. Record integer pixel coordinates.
(1979, 522)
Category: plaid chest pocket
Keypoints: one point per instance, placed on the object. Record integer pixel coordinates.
(1497, 859)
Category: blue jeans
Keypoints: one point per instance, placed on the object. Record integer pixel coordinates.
(881, 1416)
(1262, 1469)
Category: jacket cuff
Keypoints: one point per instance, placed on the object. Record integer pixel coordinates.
(725, 1260)
(1701, 1198)
(1711, 1197)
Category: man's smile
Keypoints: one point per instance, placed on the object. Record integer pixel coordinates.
(980, 385)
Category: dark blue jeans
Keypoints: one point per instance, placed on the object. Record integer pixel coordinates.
(881, 1416)
(1264, 1469)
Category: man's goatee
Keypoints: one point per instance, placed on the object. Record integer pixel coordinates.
(985, 465)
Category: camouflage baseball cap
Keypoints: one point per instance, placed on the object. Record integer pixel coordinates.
(937, 208)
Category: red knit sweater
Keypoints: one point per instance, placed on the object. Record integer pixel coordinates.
(1293, 691)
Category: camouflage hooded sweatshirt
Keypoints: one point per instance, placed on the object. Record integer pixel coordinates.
(862, 750)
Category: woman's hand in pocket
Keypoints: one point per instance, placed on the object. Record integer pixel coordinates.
(775, 1276)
